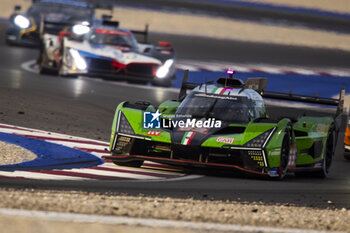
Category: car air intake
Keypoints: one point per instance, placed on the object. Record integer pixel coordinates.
(230, 130)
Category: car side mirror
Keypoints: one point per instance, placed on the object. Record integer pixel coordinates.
(147, 50)
(17, 8)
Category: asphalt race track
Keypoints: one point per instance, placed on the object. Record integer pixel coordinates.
(85, 107)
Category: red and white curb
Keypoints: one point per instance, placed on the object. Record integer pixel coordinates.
(214, 66)
(146, 222)
(108, 171)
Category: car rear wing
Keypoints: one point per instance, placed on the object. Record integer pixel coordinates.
(339, 103)
(52, 27)
(143, 33)
(259, 85)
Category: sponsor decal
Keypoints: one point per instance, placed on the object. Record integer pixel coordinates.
(321, 128)
(154, 132)
(273, 172)
(151, 120)
(275, 152)
(189, 124)
(225, 140)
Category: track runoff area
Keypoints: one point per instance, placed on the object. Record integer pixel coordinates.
(65, 157)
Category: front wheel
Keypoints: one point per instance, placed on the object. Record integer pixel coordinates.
(42, 64)
(285, 151)
(328, 154)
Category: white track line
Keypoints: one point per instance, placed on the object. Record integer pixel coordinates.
(37, 132)
(113, 174)
(162, 172)
(39, 176)
(193, 65)
(145, 222)
(28, 66)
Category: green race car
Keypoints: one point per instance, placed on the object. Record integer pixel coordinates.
(225, 125)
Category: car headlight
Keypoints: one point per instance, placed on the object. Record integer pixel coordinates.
(79, 61)
(259, 141)
(85, 23)
(163, 71)
(21, 21)
(80, 29)
(124, 125)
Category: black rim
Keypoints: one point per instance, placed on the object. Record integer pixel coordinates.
(329, 150)
(285, 153)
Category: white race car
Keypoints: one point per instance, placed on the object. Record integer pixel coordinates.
(107, 50)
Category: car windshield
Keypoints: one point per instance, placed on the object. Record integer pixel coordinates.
(70, 12)
(114, 38)
(238, 109)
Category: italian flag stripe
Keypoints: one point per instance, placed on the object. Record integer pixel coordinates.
(214, 90)
(218, 91)
(187, 138)
(222, 91)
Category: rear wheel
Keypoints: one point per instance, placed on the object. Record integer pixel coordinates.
(135, 163)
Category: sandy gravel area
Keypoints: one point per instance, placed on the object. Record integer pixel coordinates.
(7, 6)
(222, 28)
(26, 225)
(342, 6)
(13, 154)
(209, 211)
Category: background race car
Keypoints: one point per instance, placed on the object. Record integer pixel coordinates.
(245, 140)
(107, 50)
(347, 141)
(24, 28)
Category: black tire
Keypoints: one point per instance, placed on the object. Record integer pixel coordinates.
(42, 63)
(135, 163)
(328, 155)
(285, 151)
(9, 43)
(347, 154)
